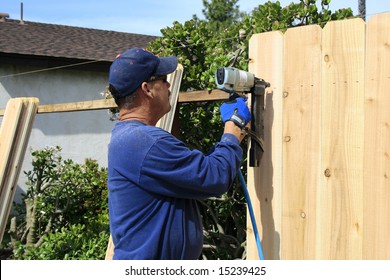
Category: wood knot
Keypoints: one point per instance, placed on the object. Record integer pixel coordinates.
(326, 58)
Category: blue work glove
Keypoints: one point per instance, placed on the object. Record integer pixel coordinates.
(236, 111)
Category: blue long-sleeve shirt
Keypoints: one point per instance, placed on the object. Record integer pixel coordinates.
(154, 181)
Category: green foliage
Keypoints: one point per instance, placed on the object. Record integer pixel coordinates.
(65, 204)
(77, 242)
(65, 192)
(188, 43)
(220, 14)
(271, 16)
(224, 223)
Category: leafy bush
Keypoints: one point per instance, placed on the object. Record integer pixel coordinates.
(64, 213)
(77, 242)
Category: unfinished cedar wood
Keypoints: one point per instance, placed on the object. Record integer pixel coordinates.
(301, 139)
(14, 134)
(324, 188)
(376, 168)
(340, 203)
(266, 62)
(184, 97)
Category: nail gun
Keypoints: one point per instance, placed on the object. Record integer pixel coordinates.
(238, 83)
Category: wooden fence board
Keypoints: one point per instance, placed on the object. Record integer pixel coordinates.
(175, 80)
(340, 196)
(264, 182)
(77, 106)
(376, 241)
(7, 134)
(202, 96)
(301, 140)
(99, 104)
(14, 134)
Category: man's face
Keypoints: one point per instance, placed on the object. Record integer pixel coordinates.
(160, 87)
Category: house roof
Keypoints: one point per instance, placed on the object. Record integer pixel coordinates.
(60, 41)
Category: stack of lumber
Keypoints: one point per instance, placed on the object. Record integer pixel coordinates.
(14, 135)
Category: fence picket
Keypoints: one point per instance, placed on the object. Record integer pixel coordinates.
(301, 140)
(376, 230)
(264, 182)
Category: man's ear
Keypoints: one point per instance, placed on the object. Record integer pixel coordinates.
(145, 89)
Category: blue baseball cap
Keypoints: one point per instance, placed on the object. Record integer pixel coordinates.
(135, 66)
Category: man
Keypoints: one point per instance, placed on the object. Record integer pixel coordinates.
(154, 180)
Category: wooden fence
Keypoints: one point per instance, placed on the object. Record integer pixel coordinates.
(323, 188)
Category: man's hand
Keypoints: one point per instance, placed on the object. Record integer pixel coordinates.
(231, 128)
(236, 111)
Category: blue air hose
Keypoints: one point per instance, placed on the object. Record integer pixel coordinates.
(252, 215)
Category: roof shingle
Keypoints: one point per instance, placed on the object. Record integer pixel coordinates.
(51, 40)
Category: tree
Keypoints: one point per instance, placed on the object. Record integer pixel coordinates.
(220, 14)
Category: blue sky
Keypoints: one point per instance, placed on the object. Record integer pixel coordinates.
(138, 16)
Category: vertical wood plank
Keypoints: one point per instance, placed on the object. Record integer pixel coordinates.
(8, 131)
(265, 181)
(301, 140)
(174, 79)
(14, 136)
(340, 198)
(376, 242)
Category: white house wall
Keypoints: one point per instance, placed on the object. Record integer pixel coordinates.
(80, 134)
